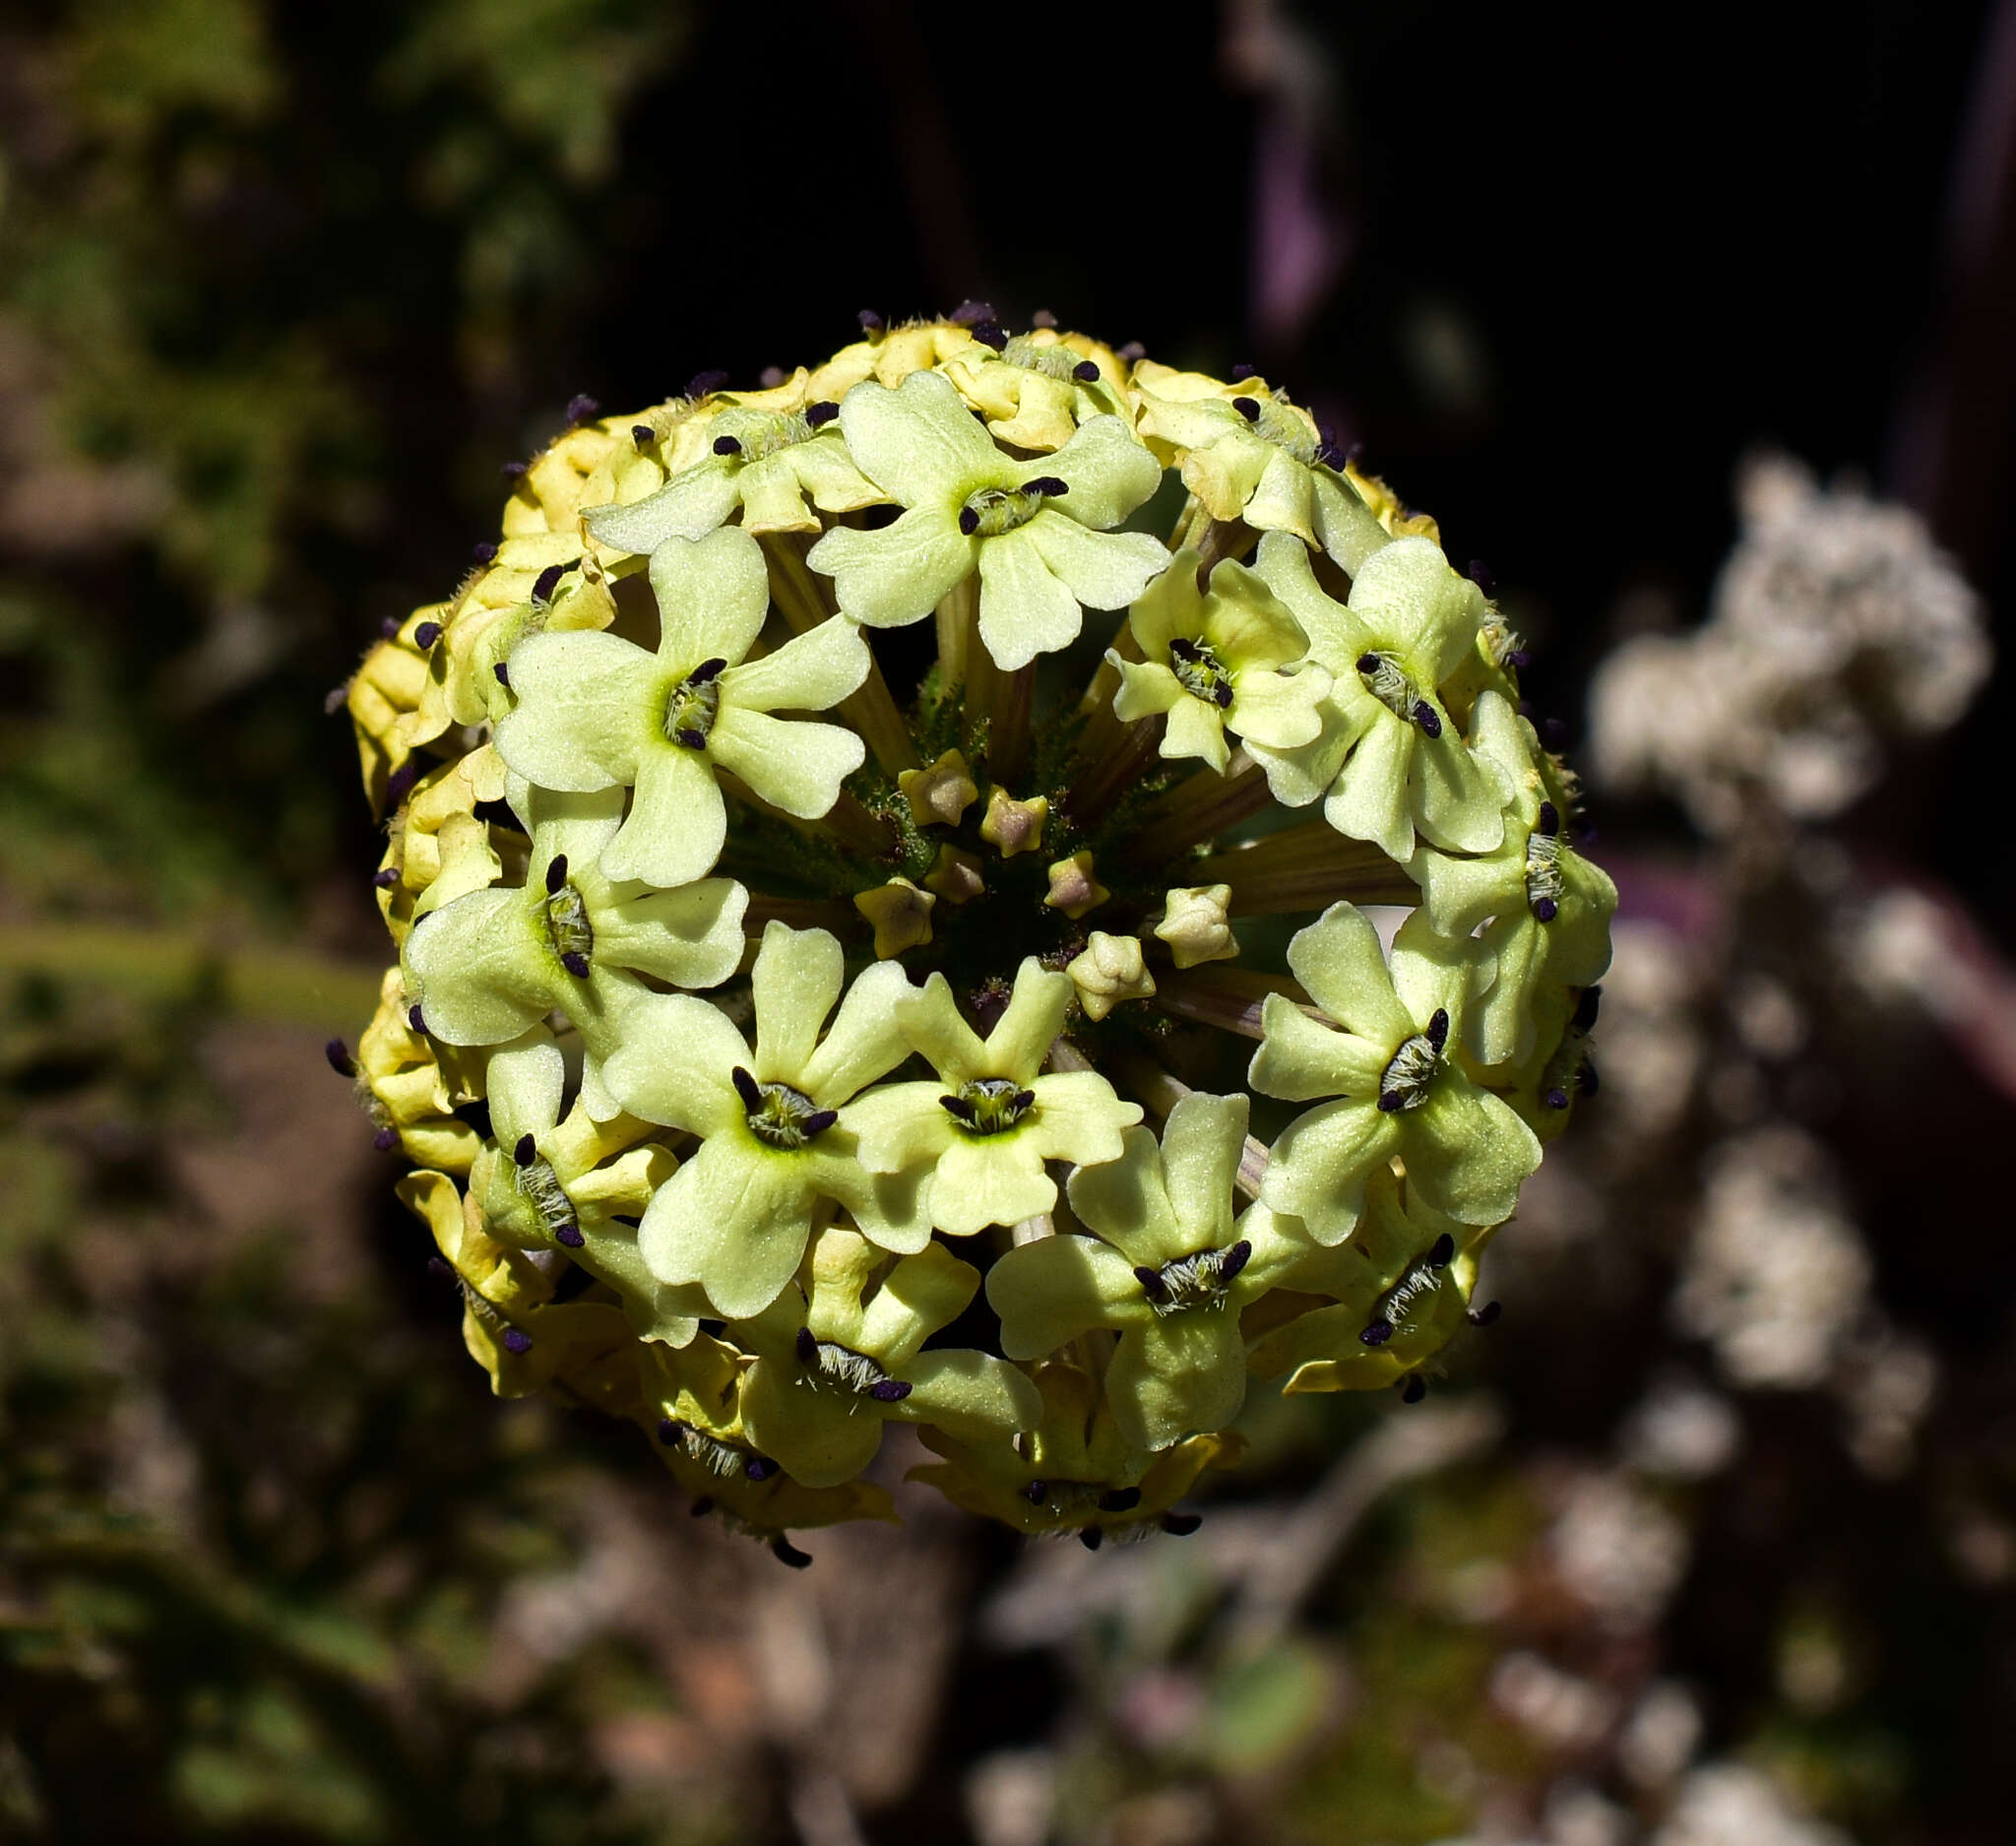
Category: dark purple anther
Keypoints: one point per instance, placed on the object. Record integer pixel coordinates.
(515, 470)
(1554, 732)
(1331, 456)
(425, 635)
(747, 1088)
(1151, 1284)
(399, 783)
(1091, 1537)
(727, 445)
(1545, 910)
(482, 553)
(1586, 1008)
(972, 313)
(818, 1122)
(625, 1217)
(1242, 372)
(1438, 1028)
(581, 408)
(1518, 658)
(758, 1468)
(1121, 1499)
(1133, 352)
(770, 376)
(708, 672)
(340, 1059)
(819, 415)
(556, 873)
(525, 1152)
(1481, 575)
(438, 1267)
(1487, 1316)
(503, 673)
(570, 1235)
(1025, 1101)
(668, 1430)
(1429, 720)
(643, 435)
(1376, 1332)
(1558, 1099)
(969, 521)
(1392, 1102)
(1222, 695)
(576, 964)
(1037, 1492)
(1550, 818)
(415, 1018)
(701, 383)
(990, 334)
(871, 322)
(389, 629)
(384, 1140)
(785, 1552)
(1413, 1390)
(1248, 407)
(516, 1340)
(1368, 662)
(1042, 317)
(1235, 1258)
(547, 580)
(385, 879)
(889, 1391)
(807, 1347)
(1050, 486)
(1586, 1079)
(1085, 372)
(1441, 1250)
(1182, 1524)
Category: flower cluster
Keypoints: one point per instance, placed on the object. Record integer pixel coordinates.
(796, 1035)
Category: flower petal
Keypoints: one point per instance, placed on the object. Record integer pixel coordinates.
(713, 594)
(1051, 1291)
(898, 575)
(585, 710)
(1337, 959)
(795, 981)
(1023, 609)
(920, 442)
(672, 1066)
(1322, 1162)
(678, 820)
(792, 765)
(808, 673)
(734, 1219)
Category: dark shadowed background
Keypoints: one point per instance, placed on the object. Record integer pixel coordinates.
(282, 286)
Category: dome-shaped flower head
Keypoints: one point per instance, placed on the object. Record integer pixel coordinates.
(775, 1137)
(766, 456)
(491, 965)
(1390, 759)
(1037, 531)
(1219, 661)
(574, 1184)
(1390, 1061)
(834, 1364)
(1248, 454)
(596, 711)
(985, 1126)
(1168, 1270)
(1549, 908)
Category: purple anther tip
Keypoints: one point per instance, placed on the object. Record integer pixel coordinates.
(516, 1340)
(482, 553)
(1438, 1028)
(701, 383)
(1248, 407)
(1545, 910)
(746, 1087)
(818, 1122)
(1586, 1079)
(1037, 1492)
(385, 878)
(1392, 1102)
(643, 435)
(1376, 1333)
(759, 1468)
(889, 1391)
(1182, 1524)
(819, 415)
(1050, 486)
(438, 1267)
(1367, 663)
(785, 1552)
(515, 470)
(576, 964)
(503, 673)
(727, 445)
(1413, 1390)
(990, 334)
(556, 873)
(1133, 352)
(425, 635)
(1429, 720)
(1242, 372)
(1042, 317)
(807, 1347)
(580, 407)
(415, 1018)
(969, 521)
(1587, 1006)
(525, 1152)
(1518, 658)
(340, 1059)
(970, 313)
(1085, 372)
(401, 781)
(570, 1237)
(547, 580)
(1487, 1316)
(871, 322)
(1441, 1251)
(384, 1140)
(1151, 1284)
(1121, 1499)
(1558, 1099)
(389, 629)
(1550, 818)
(1554, 731)
(667, 1430)
(1091, 1537)
(1234, 1259)
(770, 376)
